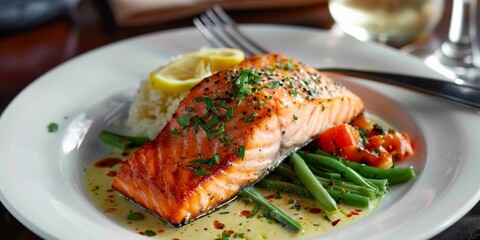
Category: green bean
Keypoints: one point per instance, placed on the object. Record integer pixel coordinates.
(285, 170)
(345, 198)
(277, 213)
(339, 185)
(349, 198)
(121, 141)
(306, 176)
(382, 184)
(394, 175)
(334, 165)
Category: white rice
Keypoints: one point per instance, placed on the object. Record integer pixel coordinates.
(151, 109)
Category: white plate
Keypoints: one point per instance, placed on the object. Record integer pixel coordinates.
(40, 172)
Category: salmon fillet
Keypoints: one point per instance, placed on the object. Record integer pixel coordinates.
(230, 131)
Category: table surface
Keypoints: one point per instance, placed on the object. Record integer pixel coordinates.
(26, 55)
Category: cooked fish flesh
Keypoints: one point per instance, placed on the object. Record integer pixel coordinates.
(232, 129)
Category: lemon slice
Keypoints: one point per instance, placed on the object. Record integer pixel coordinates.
(185, 71)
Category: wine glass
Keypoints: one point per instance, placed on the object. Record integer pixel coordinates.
(457, 57)
(392, 22)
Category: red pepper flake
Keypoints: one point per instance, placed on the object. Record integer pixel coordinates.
(354, 213)
(110, 190)
(245, 213)
(334, 223)
(109, 210)
(112, 173)
(108, 162)
(358, 210)
(230, 232)
(160, 231)
(270, 197)
(349, 215)
(218, 225)
(315, 210)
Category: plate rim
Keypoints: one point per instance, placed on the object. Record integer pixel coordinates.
(37, 229)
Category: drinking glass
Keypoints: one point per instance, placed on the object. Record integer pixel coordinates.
(458, 55)
(393, 22)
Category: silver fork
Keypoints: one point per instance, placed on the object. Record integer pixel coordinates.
(222, 31)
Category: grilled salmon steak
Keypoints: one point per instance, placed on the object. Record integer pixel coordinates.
(232, 129)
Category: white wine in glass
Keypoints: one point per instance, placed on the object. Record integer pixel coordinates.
(393, 22)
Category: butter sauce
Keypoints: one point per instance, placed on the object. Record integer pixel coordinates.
(232, 219)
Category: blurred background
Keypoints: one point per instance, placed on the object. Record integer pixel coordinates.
(38, 35)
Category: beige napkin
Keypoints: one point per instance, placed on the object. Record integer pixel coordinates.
(141, 12)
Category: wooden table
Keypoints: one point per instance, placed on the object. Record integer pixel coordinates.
(26, 55)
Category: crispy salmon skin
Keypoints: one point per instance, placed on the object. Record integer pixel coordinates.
(230, 131)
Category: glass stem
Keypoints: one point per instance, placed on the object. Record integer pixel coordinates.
(459, 44)
(475, 32)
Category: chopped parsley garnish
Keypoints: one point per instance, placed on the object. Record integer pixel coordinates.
(277, 195)
(174, 132)
(254, 211)
(52, 127)
(240, 152)
(293, 92)
(295, 117)
(150, 233)
(213, 133)
(184, 121)
(363, 132)
(245, 78)
(239, 235)
(214, 120)
(274, 84)
(270, 69)
(378, 129)
(199, 171)
(121, 141)
(229, 113)
(209, 104)
(196, 121)
(207, 161)
(225, 236)
(297, 206)
(312, 93)
(225, 141)
(250, 118)
(134, 216)
(210, 122)
(289, 65)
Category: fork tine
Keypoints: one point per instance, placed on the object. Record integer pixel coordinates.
(221, 31)
(206, 33)
(216, 29)
(233, 27)
(227, 33)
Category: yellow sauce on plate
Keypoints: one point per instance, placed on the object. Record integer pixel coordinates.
(232, 219)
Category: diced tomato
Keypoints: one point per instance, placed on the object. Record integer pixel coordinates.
(379, 158)
(362, 122)
(378, 148)
(335, 138)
